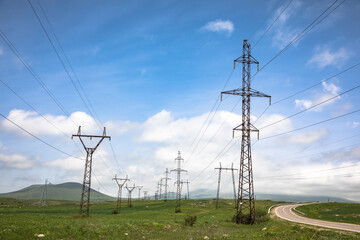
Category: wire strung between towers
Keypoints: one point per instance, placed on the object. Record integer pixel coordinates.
(62, 63)
(307, 88)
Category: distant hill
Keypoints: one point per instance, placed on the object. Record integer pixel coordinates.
(70, 191)
(208, 194)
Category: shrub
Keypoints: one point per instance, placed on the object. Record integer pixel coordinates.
(190, 220)
(115, 211)
(246, 219)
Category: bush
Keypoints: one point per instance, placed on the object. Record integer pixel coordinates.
(115, 211)
(190, 220)
(246, 219)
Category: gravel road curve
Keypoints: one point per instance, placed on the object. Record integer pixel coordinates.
(285, 212)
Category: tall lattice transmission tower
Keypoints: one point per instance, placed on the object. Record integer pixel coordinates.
(178, 170)
(130, 189)
(166, 184)
(245, 206)
(43, 197)
(85, 193)
(139, 187)
(120, 182)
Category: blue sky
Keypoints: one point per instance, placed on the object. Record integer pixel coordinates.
(153, 71)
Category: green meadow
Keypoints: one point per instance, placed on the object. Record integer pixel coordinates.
(147, 220)
(336, 212)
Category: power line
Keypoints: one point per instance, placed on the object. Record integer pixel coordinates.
(318, 83)
(116, 159)
(263, 22)
(301, 34)
(337, 175)
(70, 65)
(306, 89)
(43, 141)
(212, 110)
(222, 124)
(100, 182)
(202, 135)
(292, 42)
(49, 145)
(35, 76)
(62, 63)
(272, 24)
(97, 119)
(217, 157)
(309, 108)
(316, 171)
(318, 153)
(28, 104)
(311, 125)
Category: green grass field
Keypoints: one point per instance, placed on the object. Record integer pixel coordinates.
(336, 212)
(146, 220)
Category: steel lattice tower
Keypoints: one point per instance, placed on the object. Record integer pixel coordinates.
(120, 185)
(145, 195)
(130, 189)
(43, 197)
(178, 170)
(85, 194)
(166, 185)
(139, 187)
(219, 179)
(245, 205)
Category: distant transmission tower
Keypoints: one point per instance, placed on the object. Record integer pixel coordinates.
(145, 194)
(219, 179)
(166, 184)
(120, 182)
(43, 197)
(187, 196)
(130, 189)
(245, 206)
(178, 170)
(85, 194)
(139, 187)
(160, 186)
(157, 191)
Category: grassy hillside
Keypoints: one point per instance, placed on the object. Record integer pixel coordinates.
(149, 220)
(336, 212)
(209, 194)
(70, 191)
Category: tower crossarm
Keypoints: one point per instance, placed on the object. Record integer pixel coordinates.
(240, 128)
(250, 92)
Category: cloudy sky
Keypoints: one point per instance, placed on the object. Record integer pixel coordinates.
(151, 72)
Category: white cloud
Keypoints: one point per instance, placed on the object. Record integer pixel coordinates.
(283, 33)
(329, 90)
(219, 26)
(68, 163)
(35, 124)
(16, 160)
(282, 37)
(355, 124)
(149, 147)
(309, 137)
(352, 154)
(324, 57)
(303, 103)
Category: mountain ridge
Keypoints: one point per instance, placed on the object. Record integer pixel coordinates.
(71, 191)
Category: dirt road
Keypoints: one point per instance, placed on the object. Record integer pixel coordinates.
(285, 212)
